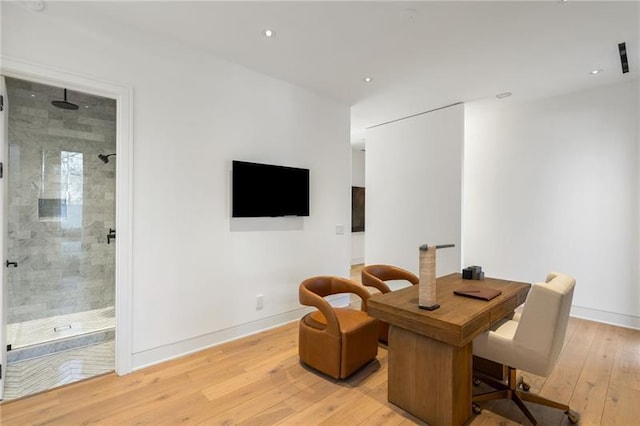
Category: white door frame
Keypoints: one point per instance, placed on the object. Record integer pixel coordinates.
(17, 68)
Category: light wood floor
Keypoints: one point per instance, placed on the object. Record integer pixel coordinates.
(258, 380)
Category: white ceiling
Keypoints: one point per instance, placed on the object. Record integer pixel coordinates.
(421, 55)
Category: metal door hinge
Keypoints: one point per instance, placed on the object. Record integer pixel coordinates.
(1, 170)
(0, 371)
(1, 103)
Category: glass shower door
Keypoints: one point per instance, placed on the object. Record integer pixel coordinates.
(3, 236)
(60, 287)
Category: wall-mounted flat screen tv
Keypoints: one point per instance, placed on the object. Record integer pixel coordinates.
(265, 190)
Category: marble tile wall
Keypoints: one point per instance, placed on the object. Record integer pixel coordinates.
(64, 262)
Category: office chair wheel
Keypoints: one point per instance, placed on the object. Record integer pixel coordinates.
(476, 409)
(574, 417)
(476, 382)
(521, 384)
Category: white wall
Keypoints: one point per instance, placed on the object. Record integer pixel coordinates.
(552, 185)
(196, 271)
(414, 189)
(357, 179)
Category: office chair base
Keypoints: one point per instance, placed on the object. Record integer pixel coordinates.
(510, 391)
(573, 417)
(522, 384)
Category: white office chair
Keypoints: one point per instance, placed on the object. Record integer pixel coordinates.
(532, 343)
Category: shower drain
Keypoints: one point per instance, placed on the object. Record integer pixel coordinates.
(62, 327)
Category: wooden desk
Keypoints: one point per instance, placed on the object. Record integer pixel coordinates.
(430, 352)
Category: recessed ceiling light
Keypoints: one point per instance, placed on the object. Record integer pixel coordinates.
(268, 33)
(367, 79)
(595, 72)
(503, 95)
(33, 95)
(86, 106)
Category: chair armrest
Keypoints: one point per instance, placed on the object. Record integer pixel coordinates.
(344, 285)
(312, 292)
(369, 280)
(376, 275)
(309, 298)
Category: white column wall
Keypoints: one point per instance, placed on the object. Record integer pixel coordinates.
(552, 185)
(414, 189)
(196, 272)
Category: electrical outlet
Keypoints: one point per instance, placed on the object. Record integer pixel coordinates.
(259, 302)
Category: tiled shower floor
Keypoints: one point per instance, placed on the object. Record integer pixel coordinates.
(55, 351)
(39, 374)
(43, 330)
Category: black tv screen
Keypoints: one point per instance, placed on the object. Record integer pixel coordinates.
(264, 190)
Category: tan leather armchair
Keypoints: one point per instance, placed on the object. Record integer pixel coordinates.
(375, 276)
(335, 341)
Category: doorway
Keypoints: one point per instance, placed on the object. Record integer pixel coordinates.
(60, 243)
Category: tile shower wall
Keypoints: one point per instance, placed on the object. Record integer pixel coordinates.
(61, 202)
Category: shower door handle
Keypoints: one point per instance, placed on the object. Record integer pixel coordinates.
(111, 235)
(14, 264)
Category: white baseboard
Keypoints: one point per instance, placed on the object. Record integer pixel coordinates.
(357, 261)
(621, 320)
(175, 350)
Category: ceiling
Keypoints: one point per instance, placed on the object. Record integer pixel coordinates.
(420, 55)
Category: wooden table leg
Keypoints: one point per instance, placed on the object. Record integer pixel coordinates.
(428, 378)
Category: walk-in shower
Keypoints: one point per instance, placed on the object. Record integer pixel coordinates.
(61, 206)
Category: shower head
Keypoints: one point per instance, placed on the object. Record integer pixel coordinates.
(64, 104)
(105, 158)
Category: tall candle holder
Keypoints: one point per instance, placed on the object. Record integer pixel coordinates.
(427, 285)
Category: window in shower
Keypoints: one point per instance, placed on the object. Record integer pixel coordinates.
(71, 183)
(61, 186)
